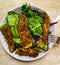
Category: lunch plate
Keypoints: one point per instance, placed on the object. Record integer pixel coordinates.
(24, 58)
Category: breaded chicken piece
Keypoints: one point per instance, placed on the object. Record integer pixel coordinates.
(24, 32)
(22, 52)
(33, 52)
(8, 35)
(46, 27)
(27, 52)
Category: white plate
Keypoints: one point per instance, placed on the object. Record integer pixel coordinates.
(23, 58)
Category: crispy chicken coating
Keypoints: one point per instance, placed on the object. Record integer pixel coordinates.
(33, 52)
(8, 35)
(24, 32)
(46, 27)
(27, 52)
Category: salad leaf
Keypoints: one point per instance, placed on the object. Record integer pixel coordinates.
(37, 38)
(42, 45)
(41, 50)
(35, 21)
(25, 7)
(2, 26)
(45, 47)
(16, 40)
(17, 51)
(35, 27)
(33, 41)
(12, 18)
(39, 18)
(14, 31)
(30, 14)
(37, 31)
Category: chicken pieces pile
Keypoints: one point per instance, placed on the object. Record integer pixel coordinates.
(26, 38)
(27, 52)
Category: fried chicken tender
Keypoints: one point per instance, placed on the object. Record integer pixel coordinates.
(33, 52)
(22, 52)
(27, 52)
(46, 27)
(24, 32)
(8, 35)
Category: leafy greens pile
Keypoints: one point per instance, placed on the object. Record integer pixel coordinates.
(12, 19)
(35, 21)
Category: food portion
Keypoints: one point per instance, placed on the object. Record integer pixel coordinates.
(8, 35)
(27, 52)
(46, 27)
(26, 33)
(12, 20)
(35, 20)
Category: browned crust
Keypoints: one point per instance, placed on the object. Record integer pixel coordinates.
(24, 32)
(46, 27)
(8, 35)
(28, 52)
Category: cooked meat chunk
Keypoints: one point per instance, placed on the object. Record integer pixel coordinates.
(22, 52)
(27, 52)
(12, 48)
(7, 32)
(46, 27)
(32, 52)
(8, 35)
(24, 33)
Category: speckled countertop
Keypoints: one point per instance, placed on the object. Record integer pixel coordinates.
(52, 7)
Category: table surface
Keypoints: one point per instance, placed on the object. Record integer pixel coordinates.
(52, 7)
